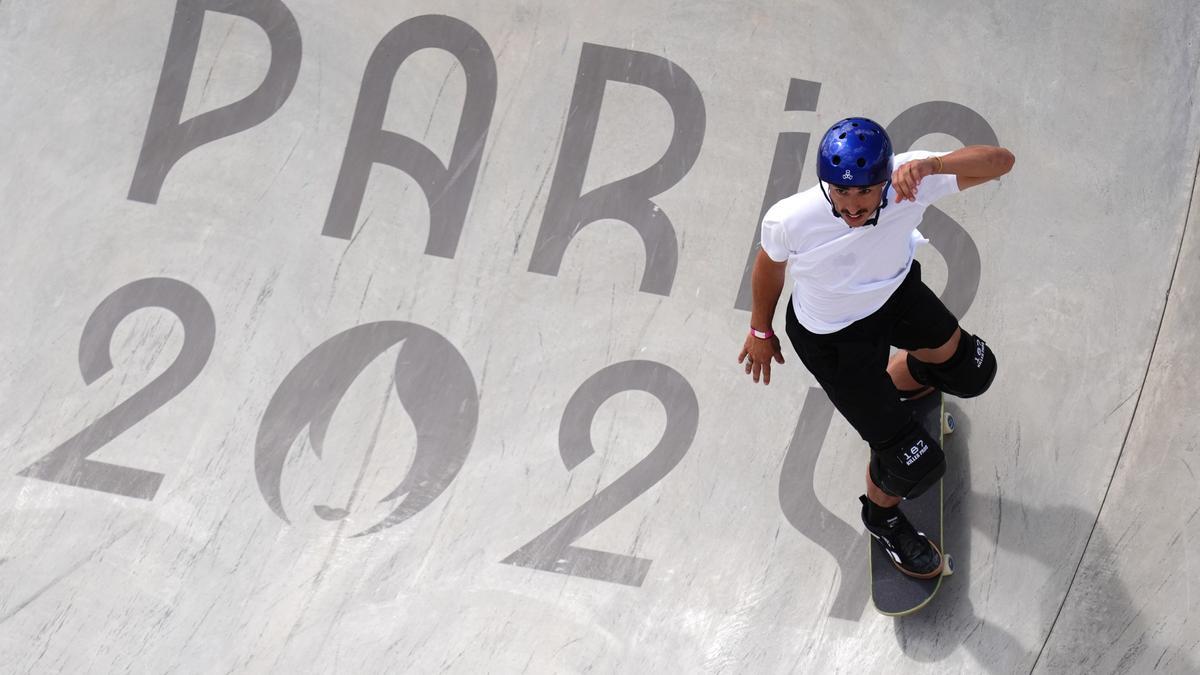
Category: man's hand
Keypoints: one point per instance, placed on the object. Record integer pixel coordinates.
(906, 178)
(757, 354)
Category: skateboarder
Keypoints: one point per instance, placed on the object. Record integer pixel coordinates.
(848, 245)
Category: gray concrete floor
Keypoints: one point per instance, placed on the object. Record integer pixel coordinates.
(305, 369)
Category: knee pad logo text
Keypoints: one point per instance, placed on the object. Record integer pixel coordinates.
(915, 452)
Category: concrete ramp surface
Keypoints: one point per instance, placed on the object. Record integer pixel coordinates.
(402, 337)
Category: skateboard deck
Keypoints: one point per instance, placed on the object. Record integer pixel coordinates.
(893, 592)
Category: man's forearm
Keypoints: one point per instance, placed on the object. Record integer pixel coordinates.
(766, 284)
(976, 161)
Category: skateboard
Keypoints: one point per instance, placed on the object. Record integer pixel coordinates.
(893, 592)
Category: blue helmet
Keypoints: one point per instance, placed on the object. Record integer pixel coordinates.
(855, 151)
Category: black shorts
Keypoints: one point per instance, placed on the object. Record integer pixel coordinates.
(851, 364)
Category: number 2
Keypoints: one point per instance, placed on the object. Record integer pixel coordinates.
(68, 464)
(552, 551)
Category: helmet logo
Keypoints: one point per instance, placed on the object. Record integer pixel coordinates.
(848, 175)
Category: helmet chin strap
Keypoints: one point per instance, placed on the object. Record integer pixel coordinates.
(878, 211)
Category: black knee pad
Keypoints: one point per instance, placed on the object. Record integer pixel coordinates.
(909, 464)
(968, 373)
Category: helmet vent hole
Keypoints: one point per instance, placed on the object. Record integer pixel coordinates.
(854, 124)
(842, 136)
(861, 162)
(837, 159)
(862, 137)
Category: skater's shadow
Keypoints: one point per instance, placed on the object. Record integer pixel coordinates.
(1016, 529)
(951, 620)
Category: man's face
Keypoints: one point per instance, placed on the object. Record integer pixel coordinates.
(856, 205)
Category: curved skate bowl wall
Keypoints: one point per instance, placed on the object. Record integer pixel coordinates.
(403, 337)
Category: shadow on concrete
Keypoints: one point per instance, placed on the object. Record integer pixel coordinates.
(953, 621)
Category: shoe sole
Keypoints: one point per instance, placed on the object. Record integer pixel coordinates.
(927, 575)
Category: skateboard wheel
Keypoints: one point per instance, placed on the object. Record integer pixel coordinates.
(949, 566)
(948, 423)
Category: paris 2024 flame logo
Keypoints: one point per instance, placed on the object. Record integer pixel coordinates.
(433, 382)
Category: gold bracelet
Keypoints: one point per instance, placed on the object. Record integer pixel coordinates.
(939, 164)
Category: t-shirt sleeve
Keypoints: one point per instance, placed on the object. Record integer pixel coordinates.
(774, 237)
(934, 187)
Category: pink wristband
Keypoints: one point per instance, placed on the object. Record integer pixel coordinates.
(761, 335)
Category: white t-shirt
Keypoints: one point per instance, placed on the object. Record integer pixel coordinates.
(844, 274)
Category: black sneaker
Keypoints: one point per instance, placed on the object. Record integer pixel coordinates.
(911, 551)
